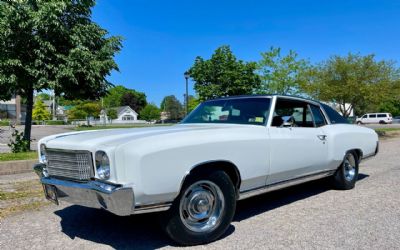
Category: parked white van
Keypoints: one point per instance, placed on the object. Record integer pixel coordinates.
(381, 118)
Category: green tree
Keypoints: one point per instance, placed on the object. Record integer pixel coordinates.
(40, 113)
(112, 114)
(122, 96)
(223, 75)
(193, 102)
(361, 81)
(173, 107)
(53, 45)
(281, 74)
(135, 100)
(85, 110)
(43, 96)
(150, 113)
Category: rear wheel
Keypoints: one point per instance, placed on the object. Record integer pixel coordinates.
(203, 211)
(347, 174)
(359, 123)
(382, 122)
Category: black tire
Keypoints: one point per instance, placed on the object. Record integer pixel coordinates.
(346, 175)
(174, 222)
(359, 123)
(382, 122)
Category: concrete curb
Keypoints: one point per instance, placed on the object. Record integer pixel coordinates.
(16, 167)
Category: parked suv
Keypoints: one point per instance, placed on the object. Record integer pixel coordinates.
(381, 118)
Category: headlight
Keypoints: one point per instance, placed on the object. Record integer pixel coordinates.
(43, 158)
(102, 165)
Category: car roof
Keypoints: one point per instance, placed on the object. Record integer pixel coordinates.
(266, 96)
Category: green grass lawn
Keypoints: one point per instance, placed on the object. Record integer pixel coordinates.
(18, 156)
(120, 126)
(387, 129)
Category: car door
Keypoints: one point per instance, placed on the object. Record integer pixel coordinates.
(298, 145)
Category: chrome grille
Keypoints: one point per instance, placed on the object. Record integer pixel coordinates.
(76, 165)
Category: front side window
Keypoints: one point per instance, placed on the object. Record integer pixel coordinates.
(238, 111)
(292, 113)
(372, 116)
(364, 116)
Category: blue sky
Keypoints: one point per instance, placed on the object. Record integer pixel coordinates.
(162, 38)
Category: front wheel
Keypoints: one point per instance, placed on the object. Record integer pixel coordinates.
(203, 211)
(347, 174)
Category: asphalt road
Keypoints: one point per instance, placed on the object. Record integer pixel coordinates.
(309, 216)
(38, 132)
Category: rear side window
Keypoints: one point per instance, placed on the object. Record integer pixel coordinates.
(372, 116)
(334, 116)
(381, 115)
(318, 116)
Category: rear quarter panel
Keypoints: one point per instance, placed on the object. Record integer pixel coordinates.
(344, 137)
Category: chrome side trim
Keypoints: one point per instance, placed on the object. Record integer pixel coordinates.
(283, 184)
(157, 207)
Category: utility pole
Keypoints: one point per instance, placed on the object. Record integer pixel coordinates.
(187, 75)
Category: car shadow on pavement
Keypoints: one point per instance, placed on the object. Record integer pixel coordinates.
(270, 201)
(144, 231)
(130, 232)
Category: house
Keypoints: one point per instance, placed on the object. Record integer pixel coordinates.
(125, 115)
(12, 109)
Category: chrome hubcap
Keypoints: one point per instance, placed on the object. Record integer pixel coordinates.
(349, 167)
(201, 206)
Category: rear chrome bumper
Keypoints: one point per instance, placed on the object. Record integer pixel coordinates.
(114, 198)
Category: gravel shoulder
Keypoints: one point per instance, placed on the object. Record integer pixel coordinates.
(308, 216)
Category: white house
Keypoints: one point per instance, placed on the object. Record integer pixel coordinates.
(125, 115)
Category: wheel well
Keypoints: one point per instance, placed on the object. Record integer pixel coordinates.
(228, 167)
(358, 153)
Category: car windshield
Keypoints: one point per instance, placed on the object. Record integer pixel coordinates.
(252, 111)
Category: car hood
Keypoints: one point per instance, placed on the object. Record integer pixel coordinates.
(87, 140)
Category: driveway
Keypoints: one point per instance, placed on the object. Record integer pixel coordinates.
(309, 216)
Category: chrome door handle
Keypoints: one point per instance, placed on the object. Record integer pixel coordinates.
(322, 137)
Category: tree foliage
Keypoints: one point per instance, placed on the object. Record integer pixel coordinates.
(43, 96)
(40, 113)
(281, 74)
(53, 44)
(223, 75)
(192, 103)
(122, 96)
(112, 113)
(150, 113)
(135, 100)
(173, 107)
(361, 81)
(84, 110)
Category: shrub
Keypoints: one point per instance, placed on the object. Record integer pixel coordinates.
(19, 143)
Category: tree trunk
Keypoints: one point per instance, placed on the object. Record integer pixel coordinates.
(28, 118)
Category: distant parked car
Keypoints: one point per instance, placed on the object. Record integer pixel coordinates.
(396, 119)
(381, 118)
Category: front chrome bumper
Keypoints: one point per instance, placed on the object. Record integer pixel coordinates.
(114, 198)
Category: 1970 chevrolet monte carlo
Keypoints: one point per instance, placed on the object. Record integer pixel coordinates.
(225, 150)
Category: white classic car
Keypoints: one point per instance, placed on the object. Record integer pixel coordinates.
(225, 150)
